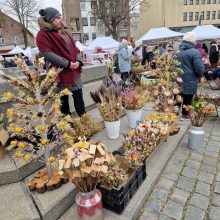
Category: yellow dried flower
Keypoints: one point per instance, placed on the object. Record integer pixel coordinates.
(65, 135)
(8, 96)
(68, 118)
(18, 154)
(81, 144)
(13, 143)
(18, 130)
(66, 92)
(27, 157)
(51, 159)
(42, 128)
(43, 141)
(62, 124)
(21, 144)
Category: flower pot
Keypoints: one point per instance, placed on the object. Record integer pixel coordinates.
(133, 117)
(196, 137)
(89, 205)
(112, 129)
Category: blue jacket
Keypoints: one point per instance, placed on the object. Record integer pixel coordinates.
(124, 58)
(192, 66)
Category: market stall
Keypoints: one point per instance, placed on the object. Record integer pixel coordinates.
(205, 32)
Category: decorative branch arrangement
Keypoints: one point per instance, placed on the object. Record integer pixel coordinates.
(109, 102)
(200, 110)
(84, 163)
(166, 92)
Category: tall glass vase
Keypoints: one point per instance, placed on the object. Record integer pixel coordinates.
(89, 205)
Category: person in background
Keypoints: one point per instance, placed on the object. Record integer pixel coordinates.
(214, 53)
(115, 62)
(149, 56)
(161, 48)
(58, 48)
(203, 54)
(192, 67)
(27, 61)
(204, 47)
(124, 57)
(170, 49)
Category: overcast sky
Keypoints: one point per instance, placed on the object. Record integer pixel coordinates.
(52, 3)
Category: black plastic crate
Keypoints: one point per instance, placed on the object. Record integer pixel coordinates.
(117, 199)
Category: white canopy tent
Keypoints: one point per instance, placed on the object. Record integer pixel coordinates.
(16, 50)
(106, 43)
(80, 46)
(204, 32)
(159, 33)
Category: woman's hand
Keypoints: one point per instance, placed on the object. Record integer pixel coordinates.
(74, 66)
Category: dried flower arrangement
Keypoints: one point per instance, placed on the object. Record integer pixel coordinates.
(85, 126)
(166, 92)
(36, 123)
(84, 162)
(133, 99)
(200, 110)
(109, 102)
(4, 136)
(141, 142)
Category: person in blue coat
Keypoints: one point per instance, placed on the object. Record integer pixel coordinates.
(192, 67)
(124, 57)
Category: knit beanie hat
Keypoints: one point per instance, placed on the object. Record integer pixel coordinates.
(190, 36)
(49, 14)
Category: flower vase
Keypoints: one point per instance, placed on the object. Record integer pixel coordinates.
(112, 129)
(133, 116)
(196, 137)
(89, 205)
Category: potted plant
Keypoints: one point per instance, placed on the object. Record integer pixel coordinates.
(109, 103)
(198, 112)
(84, 163)
(133, 102)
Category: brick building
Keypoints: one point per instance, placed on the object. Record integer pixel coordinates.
(11, 34)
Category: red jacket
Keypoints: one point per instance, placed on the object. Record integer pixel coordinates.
(51, 41)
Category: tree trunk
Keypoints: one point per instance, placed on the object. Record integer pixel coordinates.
(24, 32)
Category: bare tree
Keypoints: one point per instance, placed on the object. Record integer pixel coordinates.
(111, 13)
(25, 11)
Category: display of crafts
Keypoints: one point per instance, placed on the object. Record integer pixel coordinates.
(166, 93)
(109, 102)
(200, 110)
(133, 99)
(136, 65)
(142, 141)
(84, 163)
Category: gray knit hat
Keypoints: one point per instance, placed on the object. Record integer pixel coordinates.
(49, 13)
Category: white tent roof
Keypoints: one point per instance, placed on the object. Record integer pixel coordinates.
(80, 46)
(16, 50)
(159, 33)
(106, 43)
(206, 32)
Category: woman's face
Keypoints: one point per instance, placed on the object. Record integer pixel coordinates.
(57, 22)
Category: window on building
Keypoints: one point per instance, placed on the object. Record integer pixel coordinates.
(93, 36)
(202, 2)
(208, 15)
(82, 5)
(84, 22)
(92, 21)
(85, 36)
(15, 40)
(185, 16)
(218, 14)
(77, 36)
(190, 16)
(208, 1)
(202, 15)
(213, 15)
(2, 40)
(191, 2)
(77, 24)
(197, 2)
(185, 2)
(214, 1)
(196, 16)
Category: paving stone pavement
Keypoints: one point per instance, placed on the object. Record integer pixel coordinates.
(189, 188)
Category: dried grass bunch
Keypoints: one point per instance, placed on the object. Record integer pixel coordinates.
(109, 102)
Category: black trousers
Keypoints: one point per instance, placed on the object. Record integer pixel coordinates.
(187, 100)
(124, 76)
(78, 103)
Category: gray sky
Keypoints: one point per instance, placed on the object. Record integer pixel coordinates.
(52, 3)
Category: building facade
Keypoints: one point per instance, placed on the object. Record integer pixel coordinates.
(73, 19)
(11, 34)
(179, 15)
